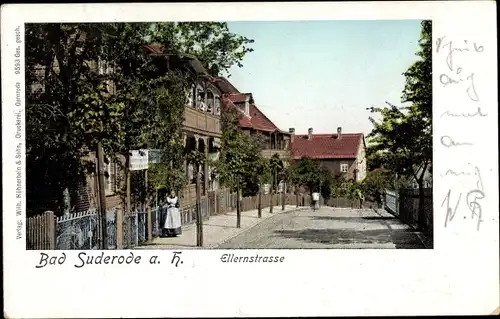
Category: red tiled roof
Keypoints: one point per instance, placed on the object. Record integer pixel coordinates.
(259, 121)
(326, 146)
(256, 119)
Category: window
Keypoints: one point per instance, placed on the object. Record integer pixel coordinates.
(200, 98)
(344, 167)
(217, 105)
(190, 96)
(210, 101)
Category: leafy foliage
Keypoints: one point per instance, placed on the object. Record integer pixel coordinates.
(309, 172)
(215, 46)
(402, 139)
(93, 83)
(240, 156)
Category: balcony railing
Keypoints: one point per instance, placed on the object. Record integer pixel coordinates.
(202, 122)
(268, 153)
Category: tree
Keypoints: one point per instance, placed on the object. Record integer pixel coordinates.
(276, 167)
(240, 155)
(308, 172)
(294, 179)
(402, 140)
(90, 92)
(197, 158)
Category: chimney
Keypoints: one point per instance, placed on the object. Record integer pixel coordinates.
(339, 132)
(291, 130)
(247, 105)
(309, 133)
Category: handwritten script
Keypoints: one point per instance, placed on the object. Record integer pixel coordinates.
(456, 75)
(471, 199)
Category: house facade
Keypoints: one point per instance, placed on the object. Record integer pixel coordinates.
(201, 128)
(201, 131)
(253, 121)
(341, 153)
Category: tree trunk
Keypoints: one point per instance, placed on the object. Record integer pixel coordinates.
(102, 196)
(259, 205)
(238, 208)
(199, 217)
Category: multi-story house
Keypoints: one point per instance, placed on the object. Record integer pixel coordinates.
(341, 153)
(201, 130)
(254, 121)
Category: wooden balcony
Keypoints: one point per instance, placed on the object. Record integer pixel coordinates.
(200, 122)
(268, 153)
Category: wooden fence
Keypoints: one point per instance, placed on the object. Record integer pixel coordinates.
(41, 232)
(405, 205)
(44, 230)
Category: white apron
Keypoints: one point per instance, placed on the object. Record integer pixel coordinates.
(173, 220)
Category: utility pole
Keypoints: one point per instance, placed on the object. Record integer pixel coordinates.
(102, 196)
(199, 221)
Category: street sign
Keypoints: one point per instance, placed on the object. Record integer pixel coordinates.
(139, 160)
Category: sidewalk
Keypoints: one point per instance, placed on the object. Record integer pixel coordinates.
(216, 230)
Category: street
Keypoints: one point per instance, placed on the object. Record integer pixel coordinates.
(328, 227)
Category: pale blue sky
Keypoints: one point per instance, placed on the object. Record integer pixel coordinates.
(324, 74)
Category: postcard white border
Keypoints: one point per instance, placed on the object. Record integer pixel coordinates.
(459, 276)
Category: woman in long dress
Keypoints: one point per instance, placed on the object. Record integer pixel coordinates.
(171, 222)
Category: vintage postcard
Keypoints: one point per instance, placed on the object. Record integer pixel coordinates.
(174, 159)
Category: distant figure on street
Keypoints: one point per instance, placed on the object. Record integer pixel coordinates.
(315, 198)
(171, 220)
(361, 197)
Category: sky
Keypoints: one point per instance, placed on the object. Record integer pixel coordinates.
(324, 74)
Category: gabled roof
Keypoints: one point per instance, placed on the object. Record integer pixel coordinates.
(255, 120)
(259, 121)
(326, 146)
